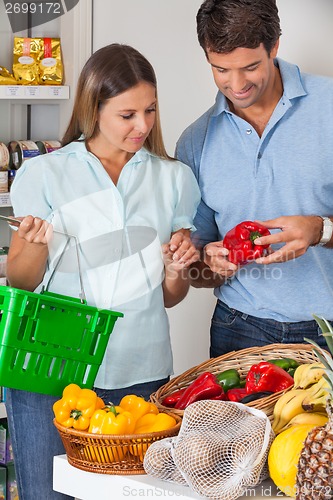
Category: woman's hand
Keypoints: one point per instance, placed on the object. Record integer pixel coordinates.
(180, 252)
(34, 230)
(28, 252)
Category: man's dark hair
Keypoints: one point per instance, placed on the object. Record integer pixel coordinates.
(225, 25)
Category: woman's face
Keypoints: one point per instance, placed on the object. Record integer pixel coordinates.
(126, 120)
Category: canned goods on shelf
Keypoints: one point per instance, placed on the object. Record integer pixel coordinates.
(21, 151)
(4, 156)
(47, 146)
(11, 177)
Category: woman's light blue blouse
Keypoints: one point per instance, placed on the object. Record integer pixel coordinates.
(119, 230)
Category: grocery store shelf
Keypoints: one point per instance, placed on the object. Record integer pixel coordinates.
(84, 485)
(5, 200)
(34, 92)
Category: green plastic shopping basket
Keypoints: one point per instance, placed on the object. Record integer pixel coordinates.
(48, 340)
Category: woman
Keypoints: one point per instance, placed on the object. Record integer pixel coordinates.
(114, 187)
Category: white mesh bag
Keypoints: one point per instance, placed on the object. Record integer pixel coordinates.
(220, 451)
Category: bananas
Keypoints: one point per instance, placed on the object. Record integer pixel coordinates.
(308, 374)
(316, 398)
(316, 418)
(287, 407)
(302, 403)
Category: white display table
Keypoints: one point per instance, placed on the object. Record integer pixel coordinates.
(89, 485)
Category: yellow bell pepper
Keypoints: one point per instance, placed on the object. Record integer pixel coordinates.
(112, 420)
(138, 406)
(154, 423)
(145, 425)
(76, 407)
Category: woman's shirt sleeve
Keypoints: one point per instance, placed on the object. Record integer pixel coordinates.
(187, 199)
(29, 194)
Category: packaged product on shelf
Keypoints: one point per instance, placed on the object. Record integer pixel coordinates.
(3, 483)
(37, 61)
(3, 260)
(11, 177)
(11, 487)
(20, 151)
(26, 55)
(48, 146)
(4, 156)
(50, 66)
(6, 448)
(6, 78)
(3, 394)
(3, 181)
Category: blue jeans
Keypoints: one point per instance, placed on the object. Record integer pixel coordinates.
(36, 440)
(232, 330)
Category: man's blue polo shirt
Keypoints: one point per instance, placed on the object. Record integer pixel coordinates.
(287, 171)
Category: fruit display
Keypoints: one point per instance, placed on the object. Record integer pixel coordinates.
(315, 467)
(301, 456)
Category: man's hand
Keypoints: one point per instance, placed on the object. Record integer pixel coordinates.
(298, 232)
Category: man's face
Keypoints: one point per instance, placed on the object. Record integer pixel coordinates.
(244, 75)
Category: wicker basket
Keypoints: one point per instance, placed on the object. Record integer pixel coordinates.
(242, 361)
(110, 454)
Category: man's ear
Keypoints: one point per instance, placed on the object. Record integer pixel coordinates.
(275, 49)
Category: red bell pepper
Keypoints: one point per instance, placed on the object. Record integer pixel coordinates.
(221, 397)
(240, 242)
(265, 376)
(205, 386)
(173, 398)
(236, 394)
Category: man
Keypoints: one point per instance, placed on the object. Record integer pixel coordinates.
(263, 152)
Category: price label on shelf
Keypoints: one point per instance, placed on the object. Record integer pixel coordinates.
(56, 91)
(32, 91)
(4, 200)
(13, 90)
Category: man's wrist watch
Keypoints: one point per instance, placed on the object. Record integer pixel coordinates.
(327, 231)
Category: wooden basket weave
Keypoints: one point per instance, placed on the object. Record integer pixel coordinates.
(241, 360)
(110, 454)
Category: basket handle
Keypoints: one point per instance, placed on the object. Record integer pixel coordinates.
(16, 222)
(82, 295)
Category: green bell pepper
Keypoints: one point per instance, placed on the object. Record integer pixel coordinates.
(287, 364)
(229, 379)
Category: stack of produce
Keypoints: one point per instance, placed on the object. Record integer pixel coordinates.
(86, 413)
(83, 410)
(305, 403)
(262, 379)
(301, 457)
